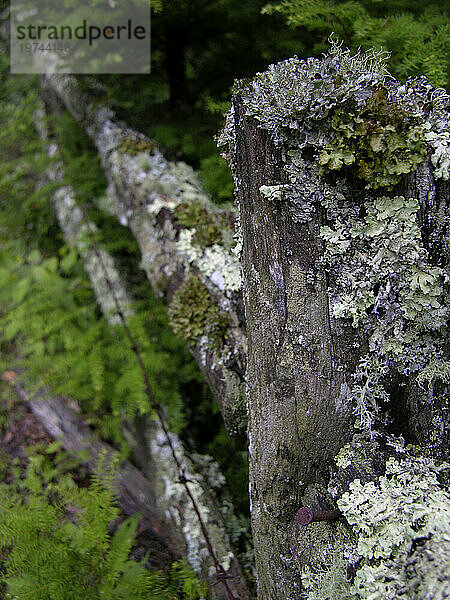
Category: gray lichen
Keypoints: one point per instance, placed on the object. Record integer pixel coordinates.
(386, 284)
(174, 498)
(299, 102)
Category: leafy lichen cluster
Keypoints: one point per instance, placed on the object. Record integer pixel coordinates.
(216, 262)
(207, 229)
(404, 531)
(387, 285)
(130, 145)
(402, 548)
(206, 241)
(331, 581)
(194, 313)
(349, 111)
(381, 140)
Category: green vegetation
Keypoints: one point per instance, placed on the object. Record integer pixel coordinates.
(56, 542)
(54, 317)
(193, 311)
(381, 139)
(416, 33)
(49, 314)
(355, 122)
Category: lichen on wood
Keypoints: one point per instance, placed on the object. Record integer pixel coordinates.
(341, 175)
(151, 196)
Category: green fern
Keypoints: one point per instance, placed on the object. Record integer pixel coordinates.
(53, 315)
(56, 538)
(416, 34)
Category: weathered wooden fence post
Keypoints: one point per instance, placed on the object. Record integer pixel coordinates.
(323, 152)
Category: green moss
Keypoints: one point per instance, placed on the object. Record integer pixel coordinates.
(195, 215)
(133, 146)
(381, 141)
(193, 313)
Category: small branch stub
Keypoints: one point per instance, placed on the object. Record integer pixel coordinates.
(305, 515)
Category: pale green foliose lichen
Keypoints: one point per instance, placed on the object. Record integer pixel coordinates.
(273, 192)
(439, 140)
(403, 528)
(222, 268)
(435, 370)
(386, 284)
(330, 582)
(219, 265)
(159, 203)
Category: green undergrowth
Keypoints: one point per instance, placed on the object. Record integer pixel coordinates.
(58, 540)
(53, 318)
(49, 313)
(415, 33)
(82, 167)
(25, 210)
